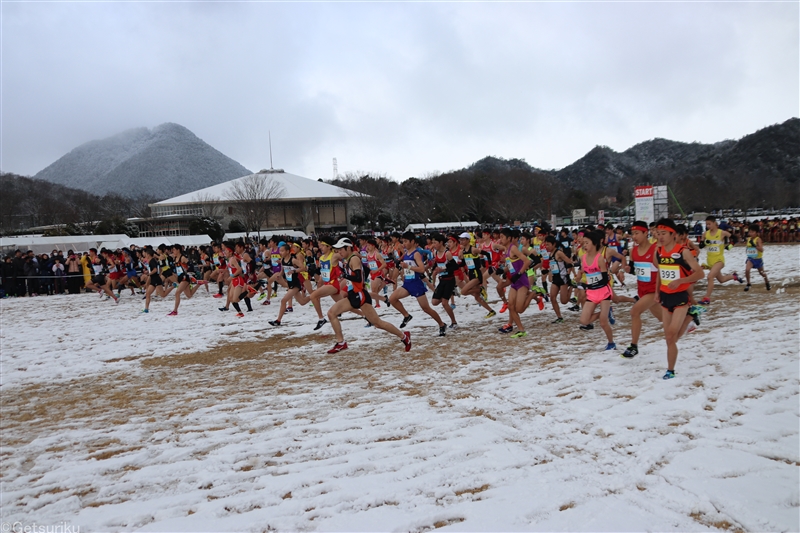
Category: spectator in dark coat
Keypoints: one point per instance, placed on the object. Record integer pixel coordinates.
(19, 273)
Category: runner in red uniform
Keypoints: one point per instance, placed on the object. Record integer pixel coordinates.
(643, 267)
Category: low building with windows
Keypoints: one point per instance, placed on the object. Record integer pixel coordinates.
(295, 203)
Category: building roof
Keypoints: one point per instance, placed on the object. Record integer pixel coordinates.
(296, 187)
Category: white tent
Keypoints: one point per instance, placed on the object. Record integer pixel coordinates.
(267, 234)
(82, 243)
(45, 245)
(185, 240)
(441, 225)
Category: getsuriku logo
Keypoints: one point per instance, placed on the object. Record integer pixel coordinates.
(19, 527)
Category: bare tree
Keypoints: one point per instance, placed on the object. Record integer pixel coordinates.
(371, 192)
(306, 216)
(253, 198)
(211, 206)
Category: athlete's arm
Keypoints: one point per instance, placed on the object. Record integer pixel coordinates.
(420, 265)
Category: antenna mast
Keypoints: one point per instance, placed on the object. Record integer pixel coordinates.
(270, 149)
(335, 168)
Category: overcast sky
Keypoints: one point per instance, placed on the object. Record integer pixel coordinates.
(405, 89)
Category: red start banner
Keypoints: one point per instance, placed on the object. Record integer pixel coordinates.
(643, 192)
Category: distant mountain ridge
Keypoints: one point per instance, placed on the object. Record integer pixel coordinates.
(168, 160)
(774, 150)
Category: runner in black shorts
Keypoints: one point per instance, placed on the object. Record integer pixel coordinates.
(444, 270)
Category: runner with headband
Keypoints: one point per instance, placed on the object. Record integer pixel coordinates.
(677, 270)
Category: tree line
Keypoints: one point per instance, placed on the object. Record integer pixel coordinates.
(27, 202)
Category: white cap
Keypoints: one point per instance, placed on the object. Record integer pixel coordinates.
(465, 235)
(342, 243)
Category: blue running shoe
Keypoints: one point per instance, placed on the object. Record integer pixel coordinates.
(611, 319)
(611, 346)
(669, 375)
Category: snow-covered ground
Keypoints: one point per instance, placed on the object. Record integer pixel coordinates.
(115, 421)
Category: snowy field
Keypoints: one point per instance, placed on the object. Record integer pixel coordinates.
(116, 421)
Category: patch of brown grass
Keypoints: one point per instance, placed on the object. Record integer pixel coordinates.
(475, 490)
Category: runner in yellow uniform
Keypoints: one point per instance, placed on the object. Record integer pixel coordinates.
(714, 242)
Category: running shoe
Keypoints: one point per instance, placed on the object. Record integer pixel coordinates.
(116, 300)
(453, 326)
(508, 328)
(630, 352)
(669, 375)
(386, 299)
(573, 300)
(747, 287)
(705, 301)
(611, 346)
(265, 302)
(369, 324)
(290, 309)
(338, 347)
(261, 296)
(558, 320)
(519, 335)
(239, 315)
(695, 311)
(484, 294)
(587, 327)
(737, 278)
(575, 308)
(611, 319)
(691, 328)
(320, 323)
(540, 303)
(145, 311)
(218, 295)
(405, 321)
(491, 314)
(273, 322)
(452, 306)
(377, 305)
(407, 340)
(274, 294)
(767, 284)
(442, 330)
(504, 308)
(222, 308)
(172, 313)
(636, 298)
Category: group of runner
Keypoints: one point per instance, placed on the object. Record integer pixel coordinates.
(582, 269)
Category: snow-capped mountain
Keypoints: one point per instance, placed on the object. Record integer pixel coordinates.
(165, 161)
